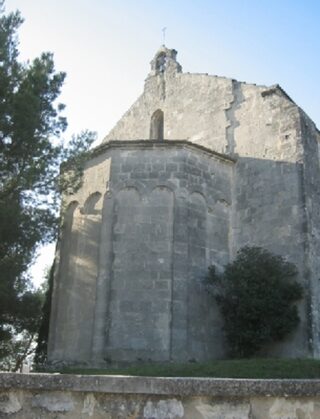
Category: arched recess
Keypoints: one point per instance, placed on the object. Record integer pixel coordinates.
(84, 272)
(126, 265)
(71, 216)
(91, 204)
(69, 213)
(79, 275)
(159, 240)
(156, 125)
(197, 249)
(63, 280)
(141, 286)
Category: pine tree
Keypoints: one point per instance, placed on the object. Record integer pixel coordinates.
(31, 151)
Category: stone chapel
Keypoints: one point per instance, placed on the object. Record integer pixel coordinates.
(197, 168)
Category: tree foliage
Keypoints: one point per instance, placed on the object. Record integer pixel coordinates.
(256, 295)
(23, 328)
(31, 151)
(40, 357)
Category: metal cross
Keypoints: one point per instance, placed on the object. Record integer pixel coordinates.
(164, 35)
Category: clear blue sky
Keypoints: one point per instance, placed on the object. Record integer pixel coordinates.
(105, 47)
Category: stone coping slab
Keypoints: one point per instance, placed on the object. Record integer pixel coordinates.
(114, 384)
(147, 144)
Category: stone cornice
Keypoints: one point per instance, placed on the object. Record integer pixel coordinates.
(154, 144)
(215, 387)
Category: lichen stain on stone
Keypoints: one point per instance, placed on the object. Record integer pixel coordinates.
(53, 402)
(89, 404)
(287, 409)
(224, 411)
(9, 403)
(163, 409)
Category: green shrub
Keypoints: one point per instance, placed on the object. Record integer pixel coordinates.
(256, 295)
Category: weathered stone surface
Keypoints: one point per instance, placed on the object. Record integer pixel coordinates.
(29, 396)
(198, 167)
(217, 409)
(177, 386)
(9, 403)
(53, 402)
(163, 409)
(155, 230)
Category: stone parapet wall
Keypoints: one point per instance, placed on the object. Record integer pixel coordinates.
(74, 396)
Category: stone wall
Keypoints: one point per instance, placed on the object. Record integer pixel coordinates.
(137, 240)
(274, 194)
(29, 396)
(267, 211)
(310, 175)
(134, 254)
(221, 114)
(77, 256)
(199, 167)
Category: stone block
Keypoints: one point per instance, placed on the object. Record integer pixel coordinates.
(54, 401)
